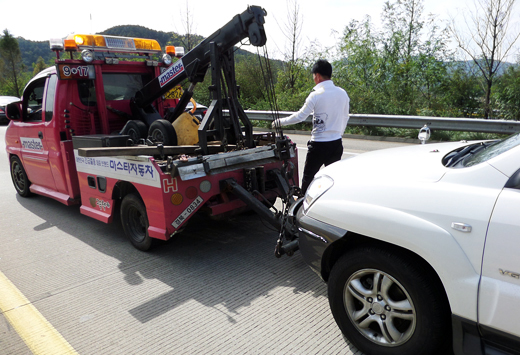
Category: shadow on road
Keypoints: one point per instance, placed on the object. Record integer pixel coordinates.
(227, 263)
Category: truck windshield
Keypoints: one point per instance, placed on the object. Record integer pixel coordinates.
(493, 150)
(123, 86)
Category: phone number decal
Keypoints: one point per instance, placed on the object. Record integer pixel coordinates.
(70, 71)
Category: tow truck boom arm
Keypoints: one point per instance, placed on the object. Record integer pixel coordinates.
(194, 64)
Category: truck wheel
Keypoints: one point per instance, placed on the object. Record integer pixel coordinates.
(162, 131)
(386, 304)
(135, 221)
(20, 181)
(135, 129)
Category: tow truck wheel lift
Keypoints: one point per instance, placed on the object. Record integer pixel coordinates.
(277, 220)
(228, 130)
(283, 221)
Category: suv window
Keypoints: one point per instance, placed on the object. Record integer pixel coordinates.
(123, 86)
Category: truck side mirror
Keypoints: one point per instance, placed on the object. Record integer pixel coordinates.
(13, 111)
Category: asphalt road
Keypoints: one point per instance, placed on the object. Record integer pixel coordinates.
(216, 288)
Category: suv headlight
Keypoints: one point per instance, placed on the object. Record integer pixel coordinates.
(318, 187)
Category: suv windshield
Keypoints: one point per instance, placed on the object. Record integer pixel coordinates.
(492, 151)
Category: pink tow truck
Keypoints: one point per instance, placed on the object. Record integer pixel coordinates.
(101, 129)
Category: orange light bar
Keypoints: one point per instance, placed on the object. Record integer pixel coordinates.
(147, 44)
(90, 40)
(114, 43)
(70, 45)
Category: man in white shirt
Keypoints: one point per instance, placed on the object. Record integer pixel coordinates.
(329, 106)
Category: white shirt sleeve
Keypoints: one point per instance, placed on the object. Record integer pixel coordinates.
(300, 116)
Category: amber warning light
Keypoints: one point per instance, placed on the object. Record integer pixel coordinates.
(88, 44)
(78, 42)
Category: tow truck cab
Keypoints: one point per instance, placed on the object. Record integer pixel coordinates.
(74, 99)
(83, 104)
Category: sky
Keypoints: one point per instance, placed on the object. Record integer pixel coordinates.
(322, 21)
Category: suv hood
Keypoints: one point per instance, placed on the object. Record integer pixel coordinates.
(412, 163)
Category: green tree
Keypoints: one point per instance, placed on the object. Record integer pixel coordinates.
(398, 70)
(432, 67)
(507, 94)
(359, 70)
(292, 99)
(3, 91)
(39, 66)
(11, 76)
(249, 76)
(463, 92)
(489, 40)
(201, 94)
(414, 55)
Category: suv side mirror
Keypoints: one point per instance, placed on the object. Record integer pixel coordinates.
(13, 111)
(424, 134)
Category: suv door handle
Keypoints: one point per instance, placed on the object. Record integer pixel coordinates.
(40, 135)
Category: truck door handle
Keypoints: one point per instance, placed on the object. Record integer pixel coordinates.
(40, 135)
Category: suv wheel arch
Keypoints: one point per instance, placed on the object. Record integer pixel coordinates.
(353, 240)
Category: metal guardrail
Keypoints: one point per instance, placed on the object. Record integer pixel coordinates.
(414, 122)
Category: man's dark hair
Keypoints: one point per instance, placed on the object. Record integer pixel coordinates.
(323, 68)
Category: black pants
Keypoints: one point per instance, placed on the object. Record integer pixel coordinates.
(320, 153)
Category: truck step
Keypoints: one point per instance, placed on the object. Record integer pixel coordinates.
(58, 196)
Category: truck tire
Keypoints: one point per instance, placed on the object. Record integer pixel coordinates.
(135, 129)
(386, 304)
(162, 131)
(19, 176)
(135, 221)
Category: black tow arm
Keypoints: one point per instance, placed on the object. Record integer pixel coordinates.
(231, 185)
(287, 231)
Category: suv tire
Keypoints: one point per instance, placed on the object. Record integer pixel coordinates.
(386, 303)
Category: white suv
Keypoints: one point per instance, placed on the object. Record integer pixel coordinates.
(420, 247)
